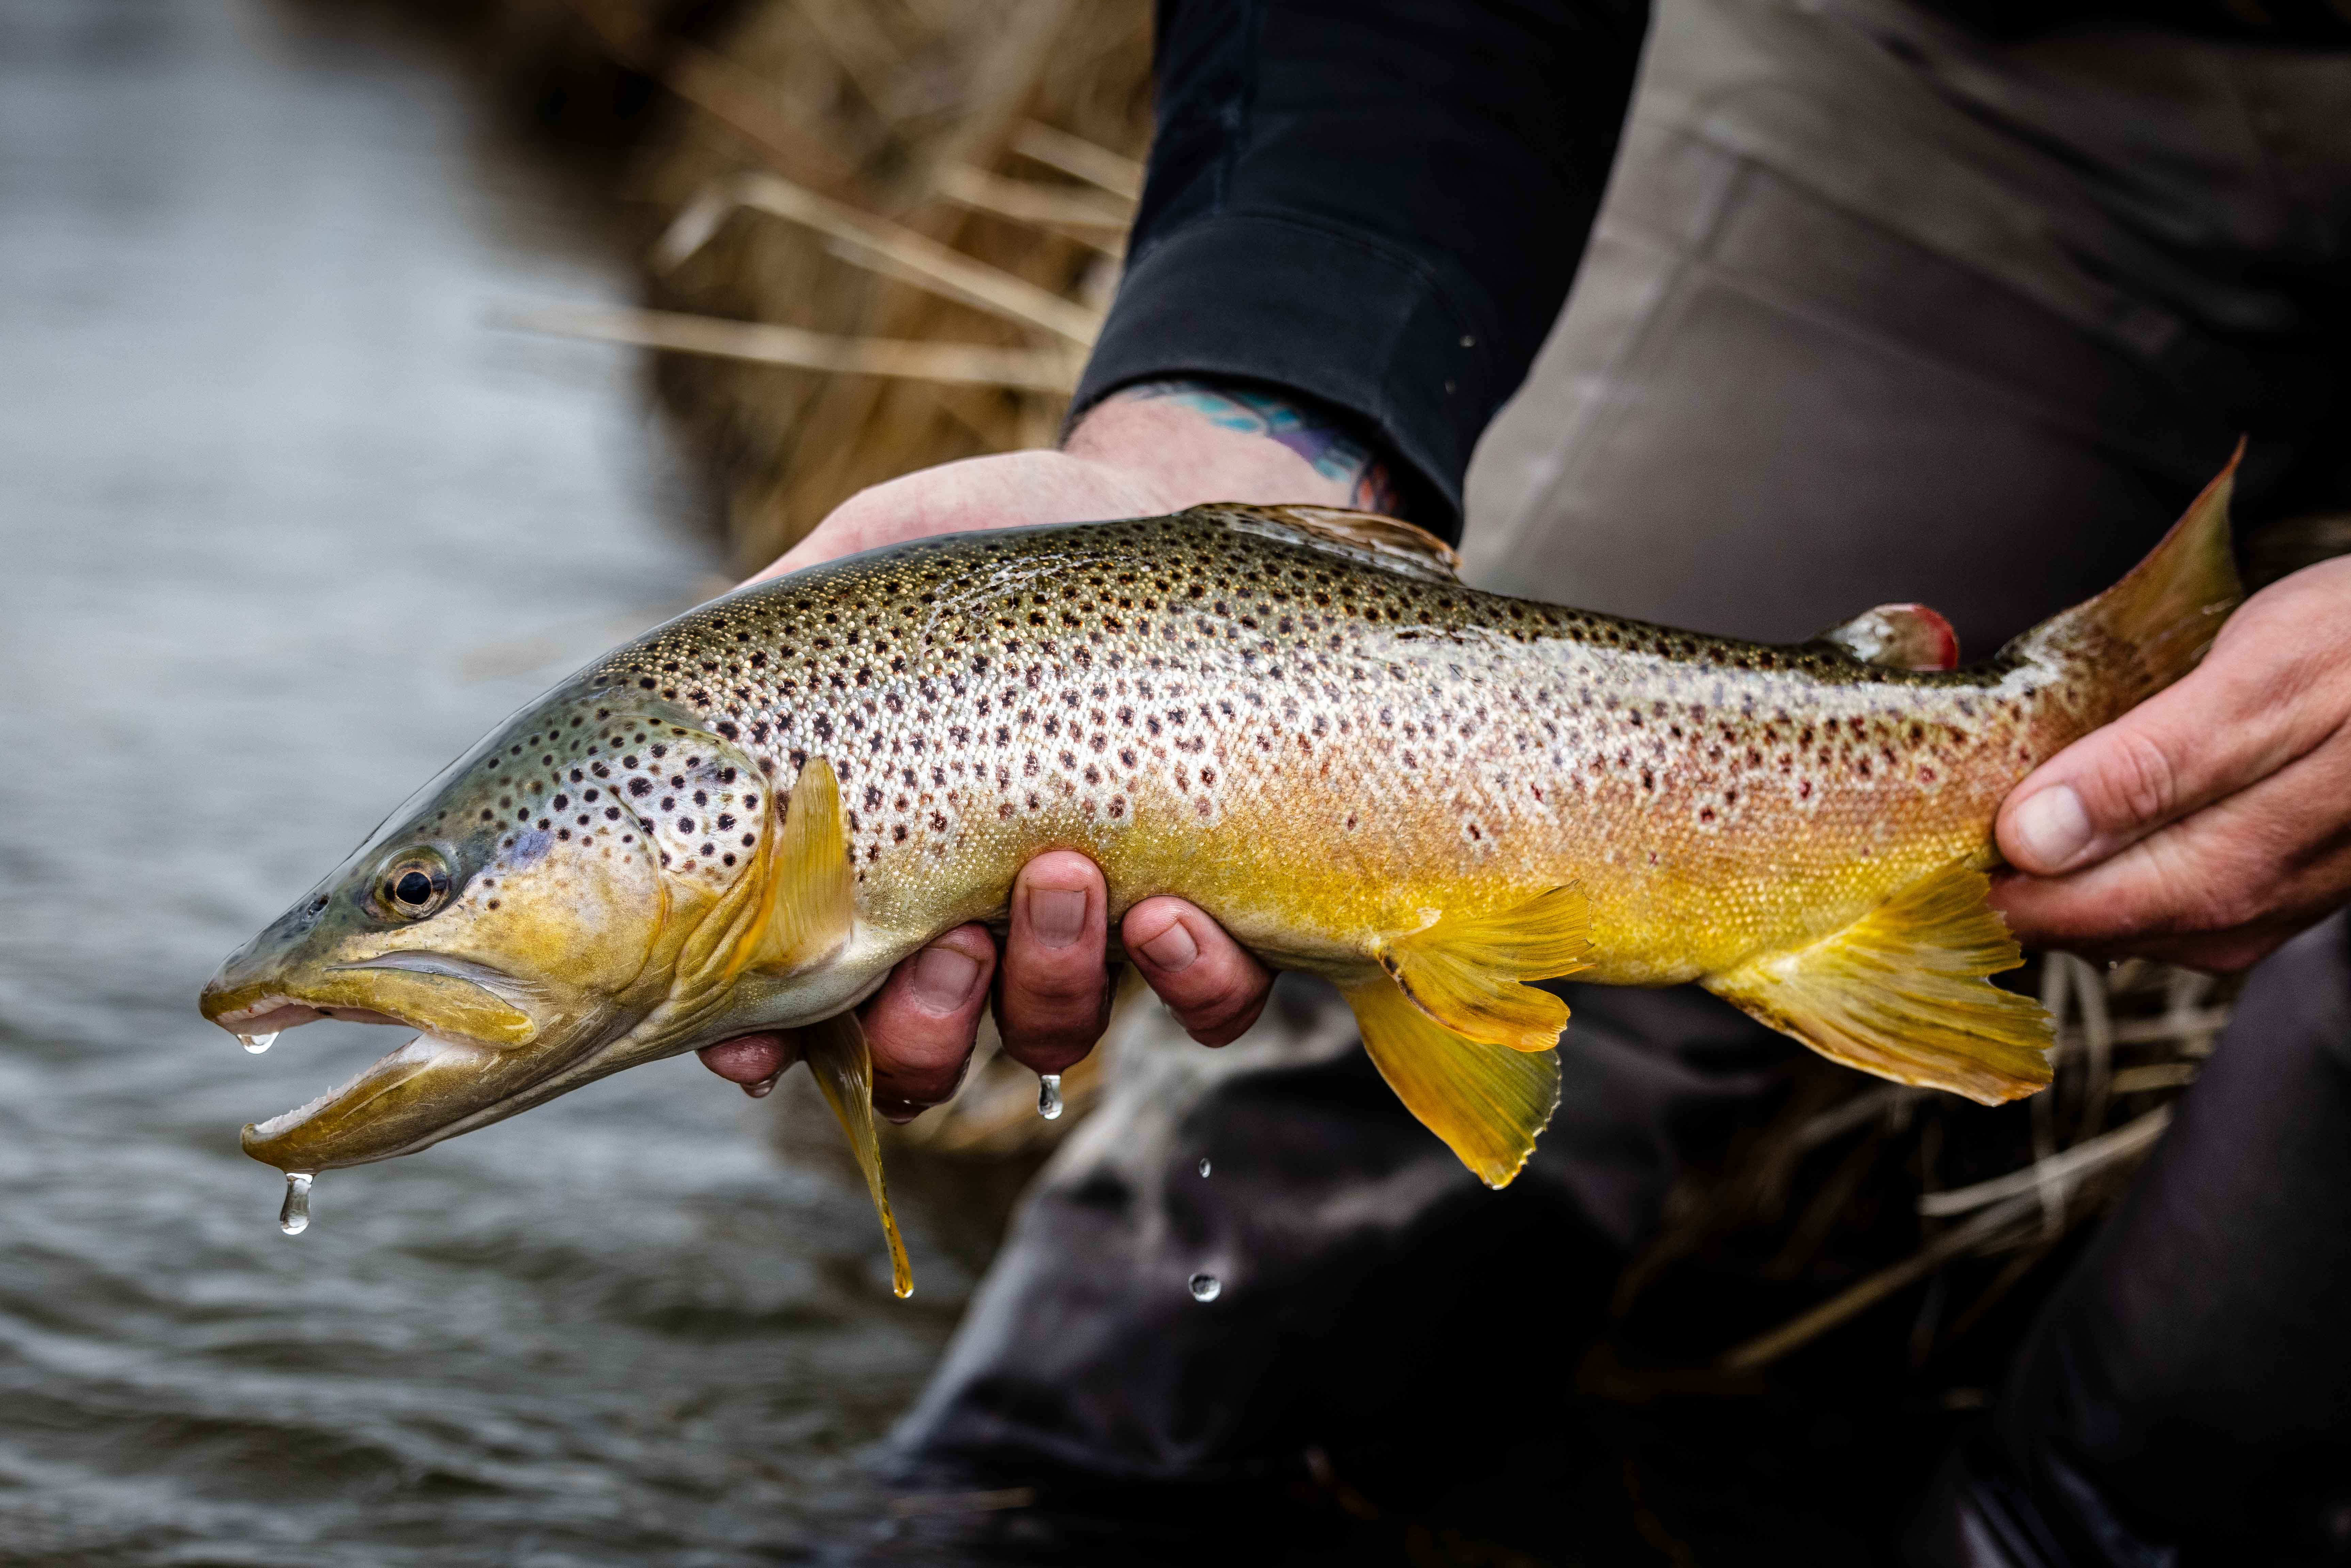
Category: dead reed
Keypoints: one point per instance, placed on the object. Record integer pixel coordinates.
(887, 230)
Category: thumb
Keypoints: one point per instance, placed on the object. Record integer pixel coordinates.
(2178, 752)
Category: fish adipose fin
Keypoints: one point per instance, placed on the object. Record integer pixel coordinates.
(1488, 1103)
(836, 1053)
(1898, 637)
(1902, 993)
(1464, 971)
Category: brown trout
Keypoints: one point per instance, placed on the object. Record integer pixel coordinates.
(1297, 718)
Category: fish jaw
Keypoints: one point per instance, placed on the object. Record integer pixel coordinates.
(474, 1050)
(364, 994)
(413, 1096)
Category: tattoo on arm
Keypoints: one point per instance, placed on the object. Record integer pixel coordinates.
(1333, 452)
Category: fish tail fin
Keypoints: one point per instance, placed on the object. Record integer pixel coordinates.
(1486, 1102)
(843, 1063)
(1902, 993)
(2166, 610)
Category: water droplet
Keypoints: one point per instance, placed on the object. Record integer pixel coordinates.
(257, 1044)
(1207, 1287)
(1203, 1167)
(294, 1214)
(1049, 1096)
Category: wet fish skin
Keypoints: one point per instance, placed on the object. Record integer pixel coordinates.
(1296, 719)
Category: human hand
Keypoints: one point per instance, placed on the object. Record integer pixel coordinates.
(1147, 450)
(1143, 452)
(2211, 822)
(1051, 991)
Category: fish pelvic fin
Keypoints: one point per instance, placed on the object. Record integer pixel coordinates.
(2166, 610)
(810, 891)
(837, 1055)
(1902, 993)
(1488, 1103)
(1465, 971)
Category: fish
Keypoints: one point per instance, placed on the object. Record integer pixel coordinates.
(1300, 719)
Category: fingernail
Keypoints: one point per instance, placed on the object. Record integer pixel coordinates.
(2051, 827)
(943, 979)
(1057, 914)
(1173, 950)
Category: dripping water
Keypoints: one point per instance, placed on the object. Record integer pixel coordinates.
(257, 1044)
(1203, 1167)
(1049, 1096)
(294, 1214)
(1207, 1287)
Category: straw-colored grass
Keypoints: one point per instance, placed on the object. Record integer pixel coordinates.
(888, 229)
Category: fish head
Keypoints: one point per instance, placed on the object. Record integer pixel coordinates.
(564, 901)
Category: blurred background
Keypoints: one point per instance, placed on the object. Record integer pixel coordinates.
(331, 430)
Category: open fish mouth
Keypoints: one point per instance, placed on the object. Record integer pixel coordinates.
(474, 1050)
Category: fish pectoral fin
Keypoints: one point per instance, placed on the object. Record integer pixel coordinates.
(812, 890)
(836, 1053)
(1902, 993)
(1465, 971)
(1486, 1103)
(1898, 637)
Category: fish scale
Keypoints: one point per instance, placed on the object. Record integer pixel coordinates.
(1173, 696)
(1299, 720)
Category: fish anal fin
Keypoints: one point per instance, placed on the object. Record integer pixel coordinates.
(1902, 993)
(1383, 541)
(837, 1055)
(1486, 1103)
(1465, 971)
(811, 892)
(1898, 637)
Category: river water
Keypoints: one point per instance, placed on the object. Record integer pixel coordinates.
(285, 528)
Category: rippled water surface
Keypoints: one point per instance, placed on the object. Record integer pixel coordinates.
(284, 529)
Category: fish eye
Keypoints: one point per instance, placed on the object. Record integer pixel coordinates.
(413, 885)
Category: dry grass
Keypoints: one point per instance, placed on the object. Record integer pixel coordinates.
(927, 196)
(1869, 1189)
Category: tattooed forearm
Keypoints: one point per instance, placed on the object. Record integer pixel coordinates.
(1333, 452)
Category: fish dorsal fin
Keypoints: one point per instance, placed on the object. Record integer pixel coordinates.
(1898, 637)
(1464, 971)
(1902, 993)
(838, 1056)
(1488, 1103)
(811, 893)
(1367, 536)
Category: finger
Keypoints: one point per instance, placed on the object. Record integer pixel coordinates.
(920, 1025)
(1210, 982)
(1054, 995)
(2259, 700)
(2218, 889)
(994, 492)
(753, 1061)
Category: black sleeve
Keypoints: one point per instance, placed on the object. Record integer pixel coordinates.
(1374, 204)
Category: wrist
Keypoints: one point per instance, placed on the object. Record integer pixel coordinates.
(1192, 442)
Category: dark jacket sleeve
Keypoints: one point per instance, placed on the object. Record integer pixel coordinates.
(1375, 203)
